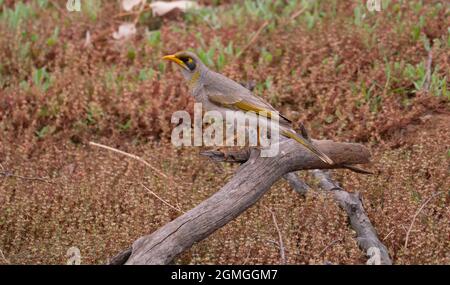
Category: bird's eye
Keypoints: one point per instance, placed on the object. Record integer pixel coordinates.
(189, 63)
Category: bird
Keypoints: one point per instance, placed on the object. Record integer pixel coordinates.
(220, 93)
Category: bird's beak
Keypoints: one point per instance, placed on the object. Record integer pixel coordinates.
(175, 59)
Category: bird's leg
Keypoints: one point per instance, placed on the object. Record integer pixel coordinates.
(257, 136)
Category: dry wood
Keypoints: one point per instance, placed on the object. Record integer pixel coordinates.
(298, 185)
(121, 258)
(251, 181)
(351, 202)
(361, 224)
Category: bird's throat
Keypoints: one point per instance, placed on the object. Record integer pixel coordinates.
(194, 79)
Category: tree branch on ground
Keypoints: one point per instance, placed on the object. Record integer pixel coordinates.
(351, 202)
(250, 182)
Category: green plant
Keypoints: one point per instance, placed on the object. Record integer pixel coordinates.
(154, 38)
(146, 74)
(417, 29)
(93, 113)
(42, 79)
(131, 53)
(125, 126)
(266, 56)
(368, 96)
(42, 3)
(91, 8)
(14, 17)
(51, 41)
(207, 56)
(44, 131)
(313, 13)
(208, 15)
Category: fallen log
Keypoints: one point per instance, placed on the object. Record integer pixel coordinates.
(246, 187)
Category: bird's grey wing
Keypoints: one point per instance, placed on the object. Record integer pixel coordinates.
(243, 99)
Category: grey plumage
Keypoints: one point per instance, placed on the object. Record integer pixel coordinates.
(219, 93)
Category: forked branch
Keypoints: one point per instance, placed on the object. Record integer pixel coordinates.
(246, 187)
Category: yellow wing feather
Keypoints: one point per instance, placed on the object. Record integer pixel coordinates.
(244, 105)
(308, 145)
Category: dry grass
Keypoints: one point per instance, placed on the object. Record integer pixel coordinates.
(349, 81)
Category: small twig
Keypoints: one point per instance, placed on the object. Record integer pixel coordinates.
(9, 174)
(253, 39)
(403, 228)
(298, 13)
(141, 9)
(161, 199)
(328, 246)
(3, 257)
(247, 256)
(388, 234)
(159, 172)
(280, 237)
(416, 214)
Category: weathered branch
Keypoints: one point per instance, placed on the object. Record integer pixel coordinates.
(351, 203)
(121, 258)
(242, 156)
(298, 185)
(245, 188)
(367, 237)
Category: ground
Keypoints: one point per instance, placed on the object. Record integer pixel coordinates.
(346, 73)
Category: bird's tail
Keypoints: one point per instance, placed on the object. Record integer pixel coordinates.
(308, 145)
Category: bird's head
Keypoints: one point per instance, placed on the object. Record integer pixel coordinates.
(191, 66)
